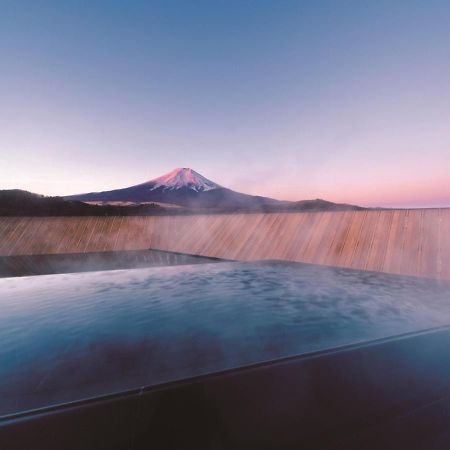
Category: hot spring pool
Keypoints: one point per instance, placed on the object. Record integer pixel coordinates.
(76, 336)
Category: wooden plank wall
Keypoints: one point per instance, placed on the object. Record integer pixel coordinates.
(411, 242)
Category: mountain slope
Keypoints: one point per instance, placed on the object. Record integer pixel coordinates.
(322, 205)
(185, 187)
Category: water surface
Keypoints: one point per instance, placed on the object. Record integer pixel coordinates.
(74, 336)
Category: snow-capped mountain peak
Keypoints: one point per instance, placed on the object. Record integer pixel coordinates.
(182, 178)
(186, 188)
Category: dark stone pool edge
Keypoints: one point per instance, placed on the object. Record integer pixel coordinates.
(341, 395)
(58, 263)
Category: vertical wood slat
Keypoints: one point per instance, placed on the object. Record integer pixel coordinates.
(444, 244)
(6, 240)
(364, 244)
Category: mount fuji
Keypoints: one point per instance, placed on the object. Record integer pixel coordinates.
(184, 187)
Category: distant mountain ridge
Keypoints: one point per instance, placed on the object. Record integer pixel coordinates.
(181, 191)
(16, 202)
(186, 187)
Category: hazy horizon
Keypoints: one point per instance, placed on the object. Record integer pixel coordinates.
(290, 100)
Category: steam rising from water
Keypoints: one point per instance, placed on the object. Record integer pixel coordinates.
(67, 337)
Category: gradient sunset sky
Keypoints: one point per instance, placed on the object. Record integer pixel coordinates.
(343, 100)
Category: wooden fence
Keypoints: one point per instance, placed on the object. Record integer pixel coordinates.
(410, 242)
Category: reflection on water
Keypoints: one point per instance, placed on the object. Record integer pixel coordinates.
(67, 337)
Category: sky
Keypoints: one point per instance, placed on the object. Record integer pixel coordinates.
(344, 100)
